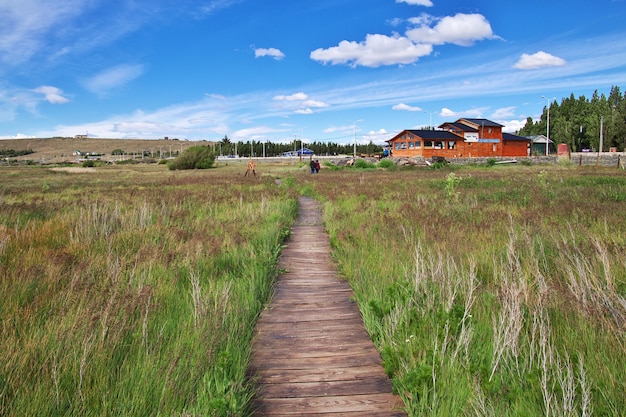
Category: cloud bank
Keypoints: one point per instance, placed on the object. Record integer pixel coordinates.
(377, 49)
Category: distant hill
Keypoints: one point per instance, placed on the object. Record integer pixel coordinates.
(61, 149)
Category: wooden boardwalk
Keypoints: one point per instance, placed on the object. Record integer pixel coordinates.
(311, 353)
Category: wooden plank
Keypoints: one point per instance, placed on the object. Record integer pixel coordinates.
(319, 362)
(266, 352)
(325, 388)
(328, 404)
(295, 345)
(311, 353)
(295, 376)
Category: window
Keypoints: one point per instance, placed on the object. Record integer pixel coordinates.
(428, 144)
(402, 145)
(439, 145)
(451, 144)
(418, 144)
(411, 145)
(397, 145)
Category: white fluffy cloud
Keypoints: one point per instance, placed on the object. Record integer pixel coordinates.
(512, 126)
(53, 95)
(314, 103)
(271, 52)
(406, 107)
(446, 112)
(461, 29)
(300, 103)
(375, 51)
(292, 97)
(537, 60)
(426, 3)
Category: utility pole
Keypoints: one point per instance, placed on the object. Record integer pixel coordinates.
(354, 128)
(548, 125)
(601, 133)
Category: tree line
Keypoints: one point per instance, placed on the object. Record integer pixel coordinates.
(577, 121)
(255, 148)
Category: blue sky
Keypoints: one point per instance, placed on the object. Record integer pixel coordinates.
(324, 70)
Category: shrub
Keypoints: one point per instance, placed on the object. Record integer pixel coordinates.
(195, 157)
(491, 162)
(88, 163)
(331, 166)
(439, 165)
(387, 164)
(363, 164)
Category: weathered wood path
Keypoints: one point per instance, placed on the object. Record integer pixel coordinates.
(311, 353)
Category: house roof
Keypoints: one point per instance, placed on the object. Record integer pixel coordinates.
(434, 134)
(509, 136)
(480, 122)
(538, 139)
(431, 135)
(460, 126)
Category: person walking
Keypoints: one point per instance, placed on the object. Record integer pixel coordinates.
(312, 165)
(317, 166)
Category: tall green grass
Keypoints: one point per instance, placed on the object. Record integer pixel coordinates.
(497, 291)
(133, 291)
(489, 291)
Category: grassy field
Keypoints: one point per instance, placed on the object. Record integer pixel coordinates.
(489, 291)
(133, 290)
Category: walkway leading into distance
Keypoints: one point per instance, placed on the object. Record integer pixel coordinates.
(311, 353)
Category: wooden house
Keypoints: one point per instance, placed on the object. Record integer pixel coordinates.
(465, 138)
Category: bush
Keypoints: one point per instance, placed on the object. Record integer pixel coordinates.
(331, 166)
(195, 157)
(439, 165)
(491, 162)
(387, 164)
(363, 164)
(88, 163)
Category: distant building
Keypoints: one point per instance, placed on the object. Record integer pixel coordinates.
(81, 136)
(299, 152)
(539, 144)
(465, 138)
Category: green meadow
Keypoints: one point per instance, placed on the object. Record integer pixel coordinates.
(488, 290)
(133, 291)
